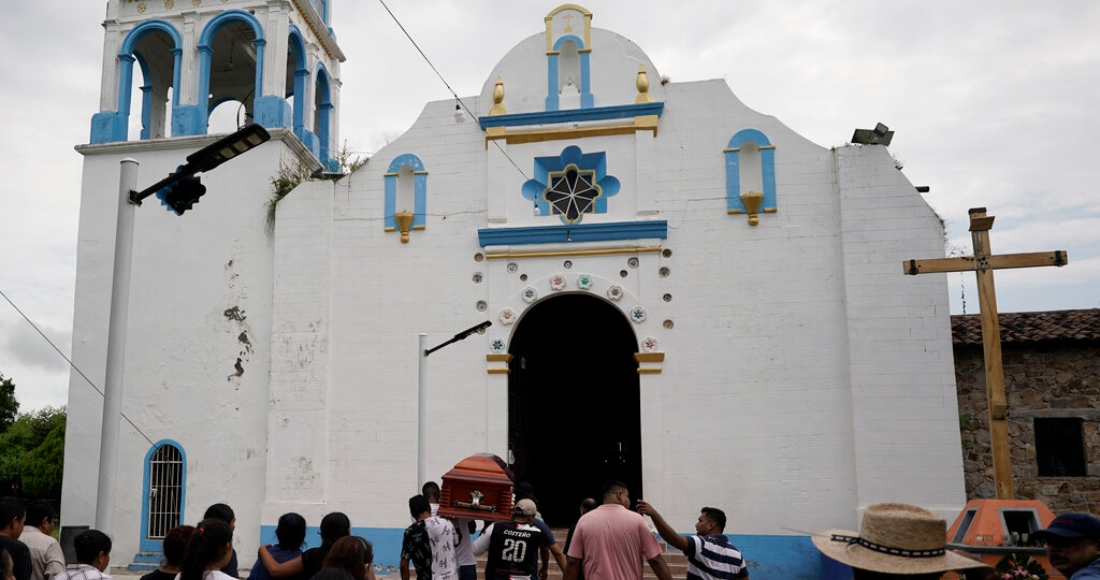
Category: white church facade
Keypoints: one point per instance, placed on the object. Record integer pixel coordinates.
(685, 295)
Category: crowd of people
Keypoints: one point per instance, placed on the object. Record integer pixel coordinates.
(608, 542)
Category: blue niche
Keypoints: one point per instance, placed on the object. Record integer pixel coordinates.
(420, 191)
(549, 170)
(764, 156)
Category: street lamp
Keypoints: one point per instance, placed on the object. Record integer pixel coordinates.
(179, 191)
(422, 395)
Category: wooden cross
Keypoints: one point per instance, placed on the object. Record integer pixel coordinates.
(983, 263)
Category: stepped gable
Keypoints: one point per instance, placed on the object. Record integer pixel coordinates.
(1030, 327)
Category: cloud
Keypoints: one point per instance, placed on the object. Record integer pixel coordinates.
(22, 344)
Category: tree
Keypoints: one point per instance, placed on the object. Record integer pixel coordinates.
(9, 407)
(32, 452)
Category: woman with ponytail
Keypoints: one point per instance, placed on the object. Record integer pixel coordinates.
(208, 549)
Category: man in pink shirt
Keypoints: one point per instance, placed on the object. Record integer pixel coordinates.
(611, 541)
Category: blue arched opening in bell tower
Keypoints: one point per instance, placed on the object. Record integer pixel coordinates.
(196, 122)
(323, 119)
(112, 126)
(297, 47)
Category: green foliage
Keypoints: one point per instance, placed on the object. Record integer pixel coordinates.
(9, 407)
(32, 452)
(288, 177)
(291, 176)
(349, 161)
(43, 466)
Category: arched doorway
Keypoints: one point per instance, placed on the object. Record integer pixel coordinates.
(573, 403)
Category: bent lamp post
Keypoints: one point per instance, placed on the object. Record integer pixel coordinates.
(179, 191)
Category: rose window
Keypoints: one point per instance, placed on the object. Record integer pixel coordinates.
(572, 192)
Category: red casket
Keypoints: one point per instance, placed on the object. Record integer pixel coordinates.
(479, 488)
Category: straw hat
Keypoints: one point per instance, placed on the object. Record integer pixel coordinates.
(894, 537)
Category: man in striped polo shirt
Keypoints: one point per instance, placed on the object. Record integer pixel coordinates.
(710, 554)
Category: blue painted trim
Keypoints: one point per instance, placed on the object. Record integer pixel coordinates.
(768, 556)
(420, 190)
(301, 78)
(309, 140)
(146, 100)
(787, 557)
(103, 127)
(324, 117)
(272, 111)
(558, 234)
(406, 160)
(588, 101)
(733, 169)
(572, 115)
(177, 62)
(188, 120)
(206, 51)
(146, 544)
(552, 96)
(385, 541)
(226, 17)
(122, 118)
(139, 32)
(745, 135)
(566, 38)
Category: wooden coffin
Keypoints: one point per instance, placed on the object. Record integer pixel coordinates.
(479, 487)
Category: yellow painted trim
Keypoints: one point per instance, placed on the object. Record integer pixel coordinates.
(560, 253)
(649, 371)
(493, 357)
(642, 123)
(647, 122)
(388, 229)
(649, 357)
(498, 371)
(735, 150)
(415, 228)
(420, 172)
(739, 212)
(549, 18)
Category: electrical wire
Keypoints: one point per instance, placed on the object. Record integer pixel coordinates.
(73, 365)
(448, 85)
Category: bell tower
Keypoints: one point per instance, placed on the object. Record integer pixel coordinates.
(167, 64)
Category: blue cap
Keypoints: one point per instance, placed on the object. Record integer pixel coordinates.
(1071, 526)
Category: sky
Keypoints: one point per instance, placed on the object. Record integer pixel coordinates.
(993, 103)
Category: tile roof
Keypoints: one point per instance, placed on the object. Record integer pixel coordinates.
(1030, 327)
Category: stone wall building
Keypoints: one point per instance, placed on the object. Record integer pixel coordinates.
(1052, 381)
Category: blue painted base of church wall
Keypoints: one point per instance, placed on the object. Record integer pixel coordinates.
(779, 557)
(769, 557)
(386, 542)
